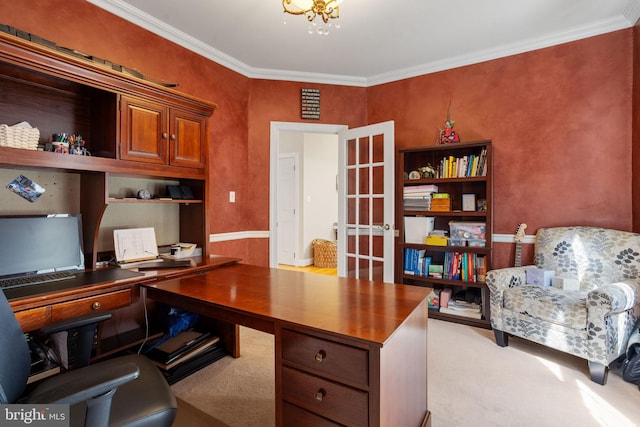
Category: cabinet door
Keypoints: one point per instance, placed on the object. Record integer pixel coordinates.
(143, 131)
(187, 136)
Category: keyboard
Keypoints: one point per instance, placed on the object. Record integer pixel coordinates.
(35, 280)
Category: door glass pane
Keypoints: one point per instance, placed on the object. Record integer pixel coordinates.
(378, 271)
(351, 267)
(351, 241)
(351, 182)
(363, 149)
(364, 244)
(351, 211)
(351, 152)
(363, 185)
(378, 246)
(363, 215)
(378, 148)
(378, 211)
(378, 180)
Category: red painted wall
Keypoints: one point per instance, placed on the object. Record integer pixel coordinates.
(560, 120)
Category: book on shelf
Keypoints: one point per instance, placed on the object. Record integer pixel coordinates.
(433, 299)
(464, 266)
(467, 166)
(445, 297)
(415, 263)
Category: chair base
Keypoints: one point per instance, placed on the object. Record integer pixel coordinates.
(598, 372)
(502, 338)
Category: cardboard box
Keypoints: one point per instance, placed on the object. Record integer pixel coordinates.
(566, 283)
(437, 240)
(540, 277)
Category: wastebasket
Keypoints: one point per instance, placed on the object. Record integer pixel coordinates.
(325, 253)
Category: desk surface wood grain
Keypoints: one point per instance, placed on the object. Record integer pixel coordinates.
(259, 296)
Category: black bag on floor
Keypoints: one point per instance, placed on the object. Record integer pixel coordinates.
(631, 366)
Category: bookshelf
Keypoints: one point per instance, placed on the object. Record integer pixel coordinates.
(463, 171)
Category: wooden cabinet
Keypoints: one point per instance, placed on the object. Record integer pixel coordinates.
(464, 259)
(152, 132)
(122, 118)
(325, 378)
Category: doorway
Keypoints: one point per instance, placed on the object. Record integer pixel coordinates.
(280, 135)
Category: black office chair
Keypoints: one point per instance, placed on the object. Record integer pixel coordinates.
(124, 391)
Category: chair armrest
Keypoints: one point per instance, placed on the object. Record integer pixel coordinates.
(614, 297)
(498, 281)
(83, 384)
(504, 278)
(75, 322)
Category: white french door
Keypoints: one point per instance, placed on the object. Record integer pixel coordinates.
(366, 204)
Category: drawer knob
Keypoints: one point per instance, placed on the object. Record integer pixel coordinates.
(164, 135)
(319, 395)
(320, 356)
(96, 305)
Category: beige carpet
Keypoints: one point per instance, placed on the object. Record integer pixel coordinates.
(472, 382)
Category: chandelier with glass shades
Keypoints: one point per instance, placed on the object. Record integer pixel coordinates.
(328, 11)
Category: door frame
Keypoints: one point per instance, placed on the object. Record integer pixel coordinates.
(276, 128)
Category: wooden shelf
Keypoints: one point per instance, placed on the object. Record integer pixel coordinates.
(448, 213)
(481, 323)
(134, 200)
(444, 282)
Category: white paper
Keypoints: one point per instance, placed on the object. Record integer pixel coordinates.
(135, 244)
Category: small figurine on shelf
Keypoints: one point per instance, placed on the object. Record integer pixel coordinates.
(427, 171)
(448, 135)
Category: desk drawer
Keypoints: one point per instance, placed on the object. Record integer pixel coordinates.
(293, 416)
(338, 402)
(33, 319)
(326, 357)
(93, 304)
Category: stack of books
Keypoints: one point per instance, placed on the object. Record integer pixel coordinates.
(185, 353)
(440, 202)
(418, 197)
(463, 308)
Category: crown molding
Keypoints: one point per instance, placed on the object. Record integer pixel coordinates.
(627, 19)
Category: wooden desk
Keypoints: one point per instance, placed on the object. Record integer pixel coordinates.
(348, 352)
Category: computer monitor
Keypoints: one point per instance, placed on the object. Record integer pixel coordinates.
(38, 244)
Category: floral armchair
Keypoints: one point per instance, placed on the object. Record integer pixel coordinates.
(593, 322)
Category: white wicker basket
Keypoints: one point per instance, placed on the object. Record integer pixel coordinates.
(19, 137)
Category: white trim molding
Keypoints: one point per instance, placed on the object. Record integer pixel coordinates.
(238, 235)
(510, 238)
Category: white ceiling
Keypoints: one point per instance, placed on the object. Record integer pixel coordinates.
(379, 40)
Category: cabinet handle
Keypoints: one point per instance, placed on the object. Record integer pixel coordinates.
(164, 135)
(319, 395)
(173, 137)
(96, 305)
(320, 356)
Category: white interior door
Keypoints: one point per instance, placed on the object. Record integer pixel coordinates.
(287, 209)
(366, 204)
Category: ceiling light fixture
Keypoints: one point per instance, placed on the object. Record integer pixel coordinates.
(327, 10)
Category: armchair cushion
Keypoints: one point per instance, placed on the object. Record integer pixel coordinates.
(565, 308)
